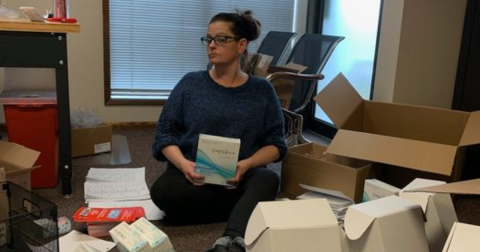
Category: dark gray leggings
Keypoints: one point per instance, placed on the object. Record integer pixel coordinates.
(185, 203)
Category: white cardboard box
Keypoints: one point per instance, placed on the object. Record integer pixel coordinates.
(129, 240)
(389, 224)
(463, 238)
(157, 239)
(297, 225)
(438, 208)
(376, 189)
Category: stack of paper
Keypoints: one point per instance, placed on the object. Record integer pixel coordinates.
(116, 184)
(120, 187)
(338, 201)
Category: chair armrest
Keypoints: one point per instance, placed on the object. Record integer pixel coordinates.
(294, 76)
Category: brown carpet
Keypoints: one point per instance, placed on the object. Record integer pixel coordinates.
(184, 238)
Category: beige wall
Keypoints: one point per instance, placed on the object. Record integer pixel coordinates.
(418, 54)
(418, 51)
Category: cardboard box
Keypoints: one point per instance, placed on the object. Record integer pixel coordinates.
(308, 164)
(462, 187)
(158, 240)
(463, 238)
(297, 225)
(129, 240)
(258, 64)
(376, 189)
(438, 208)
(91, 141)
(18, 161)
(389, 224)
(416, 137)
(284, 87)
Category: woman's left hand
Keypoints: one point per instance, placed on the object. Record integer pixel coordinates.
(242, 167)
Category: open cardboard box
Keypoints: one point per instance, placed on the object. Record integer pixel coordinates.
(309, 164)
(18, 161)
(297, 225)
(438, 208)
(389, 224)
(463, 238)
(91, 141)
(415, 137)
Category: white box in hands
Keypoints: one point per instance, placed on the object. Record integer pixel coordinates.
(217, 158)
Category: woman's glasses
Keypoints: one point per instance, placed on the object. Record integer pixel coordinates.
(219, 40)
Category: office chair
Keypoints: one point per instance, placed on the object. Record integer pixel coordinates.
(312, 51)
(276, 45)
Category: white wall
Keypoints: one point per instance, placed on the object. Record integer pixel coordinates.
(418, 51)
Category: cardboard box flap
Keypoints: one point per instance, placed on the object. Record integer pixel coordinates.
(16, 156)
(461, 187)
(340, 101)
(471, 134)
(3, 177)
(463, 238)
(288, 214)
(420, 198)
(327, 193)
(361, 216)
(413, 154)
(289, 67)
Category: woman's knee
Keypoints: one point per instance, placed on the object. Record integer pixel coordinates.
(263, 177)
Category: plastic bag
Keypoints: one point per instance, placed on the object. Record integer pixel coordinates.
(6, 13)
(84, 118)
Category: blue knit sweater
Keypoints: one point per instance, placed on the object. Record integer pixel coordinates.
(197, 104)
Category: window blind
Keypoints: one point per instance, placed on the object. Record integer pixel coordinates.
(154, 43)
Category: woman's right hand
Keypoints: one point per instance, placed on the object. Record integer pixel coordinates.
(188, 169)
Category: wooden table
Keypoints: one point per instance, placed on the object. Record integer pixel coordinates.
(44, 45)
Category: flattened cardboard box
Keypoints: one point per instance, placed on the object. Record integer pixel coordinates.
(416, 137)
(17, 162)
(91, 141)
(438, 208)
(463, 238)
(297, 225)
(308, 164)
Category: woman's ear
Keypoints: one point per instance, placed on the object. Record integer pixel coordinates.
(242, 45)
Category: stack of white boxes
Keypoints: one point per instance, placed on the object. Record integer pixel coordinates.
(140, 236)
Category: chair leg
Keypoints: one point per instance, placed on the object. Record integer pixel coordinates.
(295, 129)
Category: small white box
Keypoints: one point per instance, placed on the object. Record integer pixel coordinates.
(376, 189)
(438, 208)
(463, 238)
(128, 240)
(157, 239)
(389, 224)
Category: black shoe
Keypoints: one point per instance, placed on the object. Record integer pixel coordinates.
(237, 245)
(229, 248)
(219, 248)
